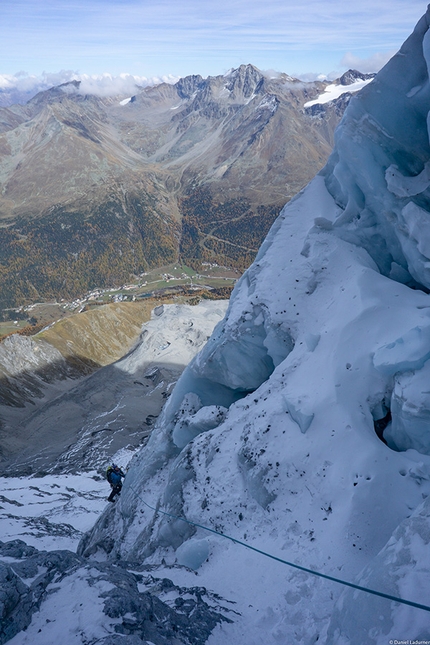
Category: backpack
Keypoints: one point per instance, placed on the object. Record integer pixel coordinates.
(109, 472)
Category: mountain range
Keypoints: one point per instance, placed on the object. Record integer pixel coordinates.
(94, 189)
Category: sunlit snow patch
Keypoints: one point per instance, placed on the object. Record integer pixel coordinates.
(333, 92)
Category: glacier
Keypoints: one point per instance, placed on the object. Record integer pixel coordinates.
(302, 427)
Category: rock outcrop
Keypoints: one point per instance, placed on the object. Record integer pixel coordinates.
(118, 603)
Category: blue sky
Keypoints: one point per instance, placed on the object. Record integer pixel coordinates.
(167, 37)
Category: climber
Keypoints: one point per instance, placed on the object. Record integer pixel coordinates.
(114, 475)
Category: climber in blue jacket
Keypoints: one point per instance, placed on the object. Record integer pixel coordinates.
(114, 476)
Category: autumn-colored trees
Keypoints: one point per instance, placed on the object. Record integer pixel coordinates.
(66, 253)
(229, 232)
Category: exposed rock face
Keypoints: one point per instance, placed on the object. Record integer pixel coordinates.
(28, 366)
(41, 366)
(352, 75)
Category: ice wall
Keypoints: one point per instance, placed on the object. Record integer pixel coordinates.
(403, 565)
(379, 170)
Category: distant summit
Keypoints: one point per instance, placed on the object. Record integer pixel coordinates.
(352, 75)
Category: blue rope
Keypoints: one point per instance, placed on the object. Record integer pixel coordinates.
(290, 564)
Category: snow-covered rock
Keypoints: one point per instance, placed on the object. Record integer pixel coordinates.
(326, 333)
(58, 597)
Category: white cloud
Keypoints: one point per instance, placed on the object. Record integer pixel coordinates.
(22, 86)
(366, 65)
(123, 84)
(24, 82)
(309, 77)
(4, 82)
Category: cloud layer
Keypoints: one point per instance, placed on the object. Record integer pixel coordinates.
(19, 88)
(367, 65)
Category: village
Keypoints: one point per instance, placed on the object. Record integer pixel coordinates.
(170, 281)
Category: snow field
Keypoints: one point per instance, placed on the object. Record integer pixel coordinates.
(51, 512)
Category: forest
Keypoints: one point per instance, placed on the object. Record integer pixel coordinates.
(229, 233)
(68, 251)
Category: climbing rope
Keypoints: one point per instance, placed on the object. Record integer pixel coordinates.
(289, 564)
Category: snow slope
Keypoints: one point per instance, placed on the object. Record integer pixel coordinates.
(51, 512)
(273, 433)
